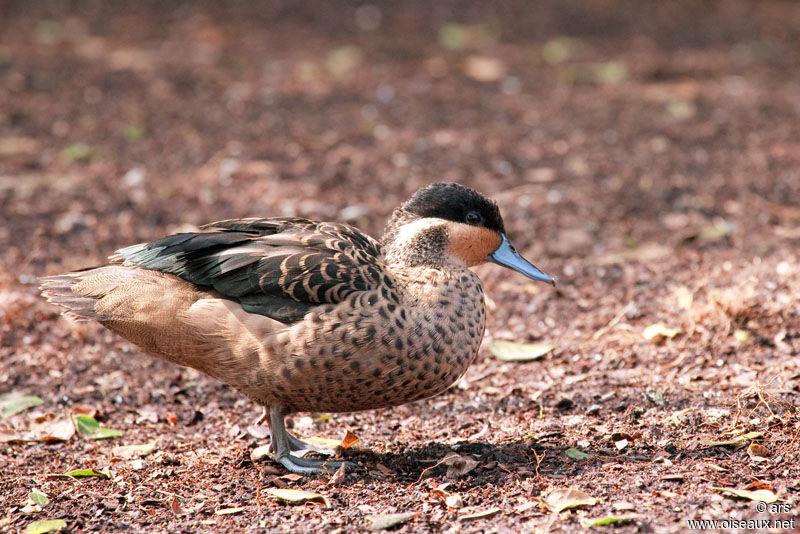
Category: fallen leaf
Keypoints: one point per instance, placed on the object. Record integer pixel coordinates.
(16, 402)
(175, 507)
(577, 454)
(482, 513)
(230, 511)
(459, 465)
(84, 409)
(78, 473)
(383, 469)
(608, 520)
(259, 453)
(757, 450)
(348, 440)
(292, 477)
(294, 495)
(510, 351)
(258, 431)
(734, 441)
(89, 427)
(46, 525)
(562, 498)
(126, 452)
(386, 521)
(339, 476)
(677, 417)
(61, 429)
(325, 442)
(759, 484)
(454, 501)
(38, 497)
(658, 331)
(758, 495)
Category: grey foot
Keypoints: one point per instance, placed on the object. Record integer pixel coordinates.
(283, 444)
(308, 466)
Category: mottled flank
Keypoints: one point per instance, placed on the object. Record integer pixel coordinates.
(306, 316)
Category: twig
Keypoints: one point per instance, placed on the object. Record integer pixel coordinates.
(434, 466)
(538, 463)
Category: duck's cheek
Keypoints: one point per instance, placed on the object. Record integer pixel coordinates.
(471, 244)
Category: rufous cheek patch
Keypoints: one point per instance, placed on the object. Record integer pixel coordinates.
(471, 244)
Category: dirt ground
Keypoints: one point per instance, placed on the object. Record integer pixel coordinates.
(646, 154)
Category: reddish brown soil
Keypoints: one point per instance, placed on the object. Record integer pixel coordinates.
(661, 188)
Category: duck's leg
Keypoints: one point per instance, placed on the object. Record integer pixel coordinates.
(295, 444)
(281, 446)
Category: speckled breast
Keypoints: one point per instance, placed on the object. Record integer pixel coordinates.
(373, 350)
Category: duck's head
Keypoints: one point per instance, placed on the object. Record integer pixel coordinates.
(450, 223)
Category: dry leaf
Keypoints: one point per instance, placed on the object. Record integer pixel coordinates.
(386, 521)
(757, 450)
(258, 431)
(175, 506)
(482, 513)
(46, 525)
(658, 331)
(126, 452)
(60, 429)
(510, 351)
(348, 440)
(563, 498)
(758, 495)
(459, 465)
(734, 441)
(294, 495)
(339, 476)
(230, 511)
(259, 453)
(383, 469)
(454, 501)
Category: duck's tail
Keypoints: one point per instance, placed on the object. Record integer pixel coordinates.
(78, 292)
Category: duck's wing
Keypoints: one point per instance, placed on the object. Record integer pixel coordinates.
(280, 268)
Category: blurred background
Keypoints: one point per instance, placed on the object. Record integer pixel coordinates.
(597, 124)
(646, 154)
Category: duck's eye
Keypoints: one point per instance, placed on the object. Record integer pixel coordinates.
(473, 217)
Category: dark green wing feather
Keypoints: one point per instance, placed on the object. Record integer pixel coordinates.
(281, 268)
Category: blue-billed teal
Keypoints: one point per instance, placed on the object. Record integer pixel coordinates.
(309, 316)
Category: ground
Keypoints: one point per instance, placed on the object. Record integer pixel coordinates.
(645, 154)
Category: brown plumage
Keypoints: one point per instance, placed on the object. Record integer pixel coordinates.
(307, 316)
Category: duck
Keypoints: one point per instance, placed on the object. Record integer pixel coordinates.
(306, 316)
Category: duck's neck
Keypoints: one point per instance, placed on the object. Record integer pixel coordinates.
(411, 242)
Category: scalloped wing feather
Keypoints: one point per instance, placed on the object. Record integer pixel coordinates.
(280, 268)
